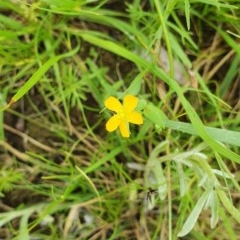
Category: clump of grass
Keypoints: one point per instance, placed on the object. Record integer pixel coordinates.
(63, 175)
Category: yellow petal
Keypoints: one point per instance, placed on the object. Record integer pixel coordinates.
(124, 129)
(129, 103)
(113, 123)
(135, 117)
(113, 104)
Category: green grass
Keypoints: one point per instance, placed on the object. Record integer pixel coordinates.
(63, 176)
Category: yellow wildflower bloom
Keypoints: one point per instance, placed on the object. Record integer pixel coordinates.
(124, 114)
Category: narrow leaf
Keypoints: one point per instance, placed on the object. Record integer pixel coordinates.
(228, 205)
(192, 218)
(187, 13)
(214, 210)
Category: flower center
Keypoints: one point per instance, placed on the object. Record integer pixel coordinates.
(122, 114)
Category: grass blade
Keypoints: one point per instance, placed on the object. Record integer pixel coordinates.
(38, 74)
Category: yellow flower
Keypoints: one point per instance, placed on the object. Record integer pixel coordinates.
(124, 114)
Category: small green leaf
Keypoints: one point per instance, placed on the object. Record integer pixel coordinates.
(135, 85)
(155, 115)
